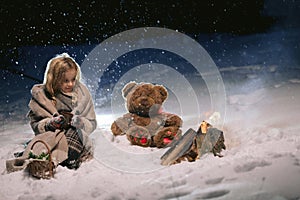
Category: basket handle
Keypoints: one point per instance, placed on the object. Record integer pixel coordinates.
(48, 149)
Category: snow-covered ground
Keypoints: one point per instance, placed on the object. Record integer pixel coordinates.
(262, 160)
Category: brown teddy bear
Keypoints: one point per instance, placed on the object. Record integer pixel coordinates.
(145, 124)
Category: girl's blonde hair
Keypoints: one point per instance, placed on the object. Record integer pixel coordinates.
(55, 71)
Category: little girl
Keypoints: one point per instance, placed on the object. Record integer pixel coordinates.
(62, 113)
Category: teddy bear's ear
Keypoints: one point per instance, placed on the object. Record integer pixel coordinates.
(162, 90)
(127, 88)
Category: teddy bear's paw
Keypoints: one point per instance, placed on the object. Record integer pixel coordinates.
(165, 136)
(138, 135)
(115, 129)
(172, 120)
(120, 126)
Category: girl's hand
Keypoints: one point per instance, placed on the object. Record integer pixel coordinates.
(55, 123)
(77, 122)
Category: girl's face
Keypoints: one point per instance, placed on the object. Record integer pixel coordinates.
(68, 81)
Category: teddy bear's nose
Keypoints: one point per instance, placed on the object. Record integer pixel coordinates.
(144, 102)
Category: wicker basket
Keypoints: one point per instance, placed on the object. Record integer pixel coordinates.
(41, 168)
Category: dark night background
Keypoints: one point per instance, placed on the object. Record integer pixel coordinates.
(57, 23)
(235, 33)
(36, 23)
